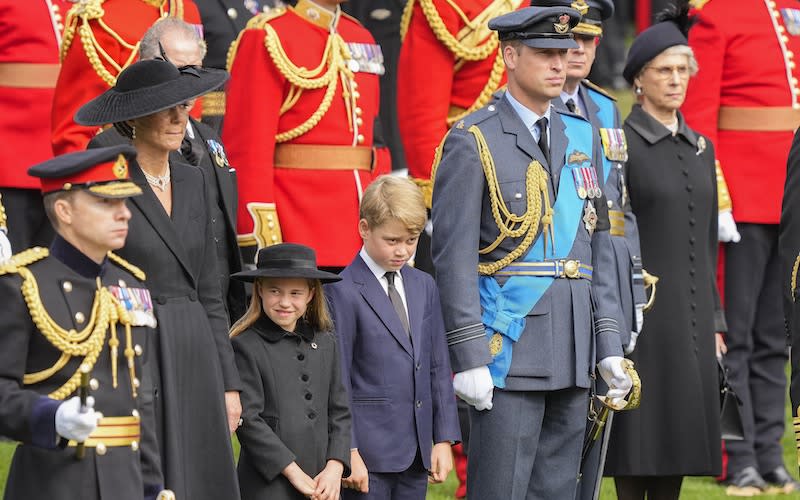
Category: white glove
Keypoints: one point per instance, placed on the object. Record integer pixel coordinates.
(726, 230)
(618, 381)
(72, 423)
(475, 387)
(639, 310)
(632, 344)
(5, 247)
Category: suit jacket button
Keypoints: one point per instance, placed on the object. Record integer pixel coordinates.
(419, 404)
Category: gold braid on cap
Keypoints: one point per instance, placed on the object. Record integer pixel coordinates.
(85, 11)
(510, 224)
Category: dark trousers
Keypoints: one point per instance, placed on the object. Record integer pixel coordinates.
(528, 446)
(649, 487)
(756, 341)
(28, 225)
(410, 484)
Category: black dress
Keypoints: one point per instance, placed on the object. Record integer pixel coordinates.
(295, 407)
(672, 187)
(196, 359)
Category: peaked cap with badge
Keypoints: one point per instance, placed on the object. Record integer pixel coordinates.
(539, 27)
(593, 13)
(63, 312)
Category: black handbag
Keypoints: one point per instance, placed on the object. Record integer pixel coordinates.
(730, 417)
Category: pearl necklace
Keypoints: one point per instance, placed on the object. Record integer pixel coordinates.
(159, 181)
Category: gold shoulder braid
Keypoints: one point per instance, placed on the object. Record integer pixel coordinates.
(331, 69)
(135, 271)
(256, 22)
(107, 311)
(24, 258)
(510, 224)
(794, 276)
(78, 19)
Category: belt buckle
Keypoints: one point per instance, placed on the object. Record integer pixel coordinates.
(571, 268)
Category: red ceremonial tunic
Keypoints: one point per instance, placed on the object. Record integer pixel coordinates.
(315, 206)
(434, 84)
(29, 36)
(746, 58)
(80, 81)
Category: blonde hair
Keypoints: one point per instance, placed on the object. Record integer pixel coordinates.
(392, 197)
(317, 314)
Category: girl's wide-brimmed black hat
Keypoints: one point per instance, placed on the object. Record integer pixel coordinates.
(147, 87)
(286, 260)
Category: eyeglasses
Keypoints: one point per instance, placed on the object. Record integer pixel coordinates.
(666, 72)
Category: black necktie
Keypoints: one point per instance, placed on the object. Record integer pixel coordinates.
(573, 107)
(188, 154)
(541, 123)
(397, 301)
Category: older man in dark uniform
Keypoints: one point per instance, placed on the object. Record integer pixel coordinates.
(534, 276)
(67, 312)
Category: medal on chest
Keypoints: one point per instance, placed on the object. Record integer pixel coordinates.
(365, 58)
(589, 217)
(137, 302)
(615, 147)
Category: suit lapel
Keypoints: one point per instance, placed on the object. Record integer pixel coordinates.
(591, 107)
(379, 302)
(558, 147)
(224, 179)
(416, 307)
(512, 124)
(154, 212)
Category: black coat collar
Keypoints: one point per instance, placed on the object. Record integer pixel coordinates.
(73, 258)
(273, 333)
(654, 131)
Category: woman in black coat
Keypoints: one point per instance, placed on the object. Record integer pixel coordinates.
(672, 187)
(194, 383)
(295, 433)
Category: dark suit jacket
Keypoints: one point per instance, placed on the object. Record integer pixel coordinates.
(224, 181)
(401, 392)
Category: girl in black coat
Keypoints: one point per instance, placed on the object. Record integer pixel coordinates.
(295, 427)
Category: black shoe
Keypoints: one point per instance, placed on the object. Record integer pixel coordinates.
(745, 483)
(782, 480)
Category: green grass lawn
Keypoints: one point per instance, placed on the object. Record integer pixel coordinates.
(693, 488)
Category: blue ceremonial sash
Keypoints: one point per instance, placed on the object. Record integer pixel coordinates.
(505, 308)
(606, 116)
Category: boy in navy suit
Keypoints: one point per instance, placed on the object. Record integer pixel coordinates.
(394, 353)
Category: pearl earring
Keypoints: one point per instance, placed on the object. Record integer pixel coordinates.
(637, 90)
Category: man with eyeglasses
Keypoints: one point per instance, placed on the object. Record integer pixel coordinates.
(746, 99)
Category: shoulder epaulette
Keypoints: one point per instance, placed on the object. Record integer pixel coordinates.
(698, 4)
(599, 89)
(256, 22)
(22, 259)
(477, 48)
(135, 271)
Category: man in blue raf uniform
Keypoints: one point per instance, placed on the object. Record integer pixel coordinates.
(75, 318)
(581, 97)
(529, 293)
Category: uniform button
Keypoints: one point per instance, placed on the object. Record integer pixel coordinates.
(359, 122)
(692, 221)
(691, 205)
(101, 449)
(491, 107)
(213, 220)
(680, 156)
(419, 404)
(419, 365)
(193, 296)
(135, 413)
(359, 111)
(689, 187)
(686, 172)
(691, 256)
(312, 415)
(232, 13)
(216, 240)
(138, 349)
(691, 271)
(80, 318)
(692, 240)
(122, 284)
(308, 396)
(304, 377)
(67, 286)
(694, 305)
(517, 196)
(360, 138)
(301, 357)
(94, 384)
(356, 94)
(134, 445)
(693, 288)
(694, 321)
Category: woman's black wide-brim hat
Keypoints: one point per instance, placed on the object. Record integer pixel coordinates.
(286, 260)
(147, 87)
